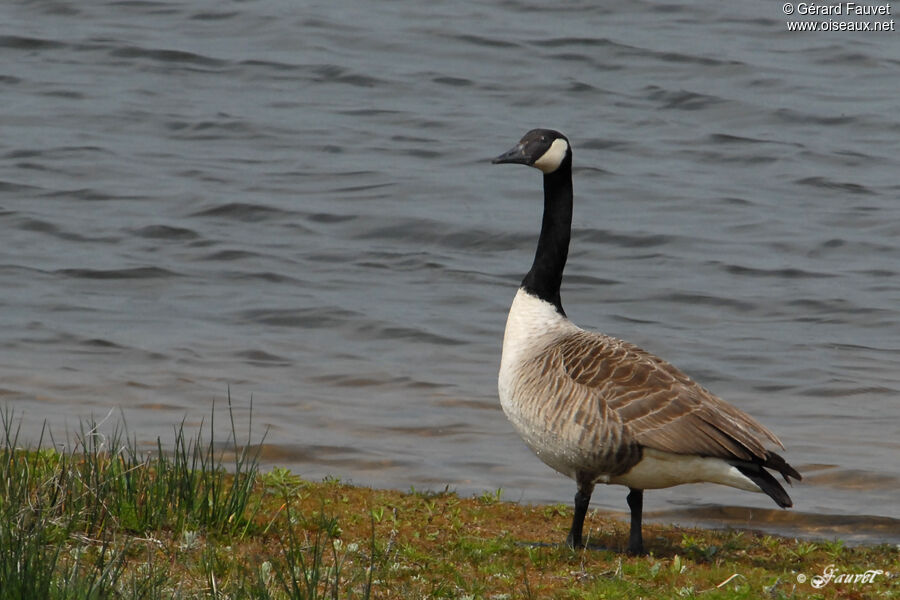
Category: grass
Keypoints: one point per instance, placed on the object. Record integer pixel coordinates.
(199, 520)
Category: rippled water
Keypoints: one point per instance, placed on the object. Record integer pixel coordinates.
(294, 200)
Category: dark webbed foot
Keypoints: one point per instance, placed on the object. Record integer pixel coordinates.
(635, 549)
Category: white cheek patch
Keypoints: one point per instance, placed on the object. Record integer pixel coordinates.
(553, 157)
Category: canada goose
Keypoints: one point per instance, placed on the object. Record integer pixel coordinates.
(601, 410)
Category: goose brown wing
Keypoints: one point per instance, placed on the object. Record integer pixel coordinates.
(658, 405)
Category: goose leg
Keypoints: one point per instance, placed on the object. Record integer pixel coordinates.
(582, 500)
(636, 504)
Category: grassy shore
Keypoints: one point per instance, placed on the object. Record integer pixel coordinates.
(199, 520)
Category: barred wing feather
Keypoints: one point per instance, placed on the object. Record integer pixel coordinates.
(659, 406)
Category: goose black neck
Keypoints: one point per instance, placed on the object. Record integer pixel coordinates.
(545, 277)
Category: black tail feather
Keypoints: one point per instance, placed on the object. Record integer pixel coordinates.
(756, 472)
(774, 461)
(766, 483)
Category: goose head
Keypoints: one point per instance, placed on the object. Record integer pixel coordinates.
(543, 149)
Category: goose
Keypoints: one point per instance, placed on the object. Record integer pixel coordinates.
(601, 410)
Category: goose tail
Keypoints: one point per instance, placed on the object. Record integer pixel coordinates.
(757, 473)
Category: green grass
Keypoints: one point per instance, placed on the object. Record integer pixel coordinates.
(197, 519)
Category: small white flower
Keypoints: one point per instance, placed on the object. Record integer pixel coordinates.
(189, 539)
(265, 571)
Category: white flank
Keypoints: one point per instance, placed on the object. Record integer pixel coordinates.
(553, 157)
(659, 469)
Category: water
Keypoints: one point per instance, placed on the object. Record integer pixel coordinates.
(294, 201)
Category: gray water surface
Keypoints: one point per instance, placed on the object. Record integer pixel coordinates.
(294, 201)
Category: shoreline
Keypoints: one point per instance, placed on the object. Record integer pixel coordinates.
(177, 530)
(105, 518)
